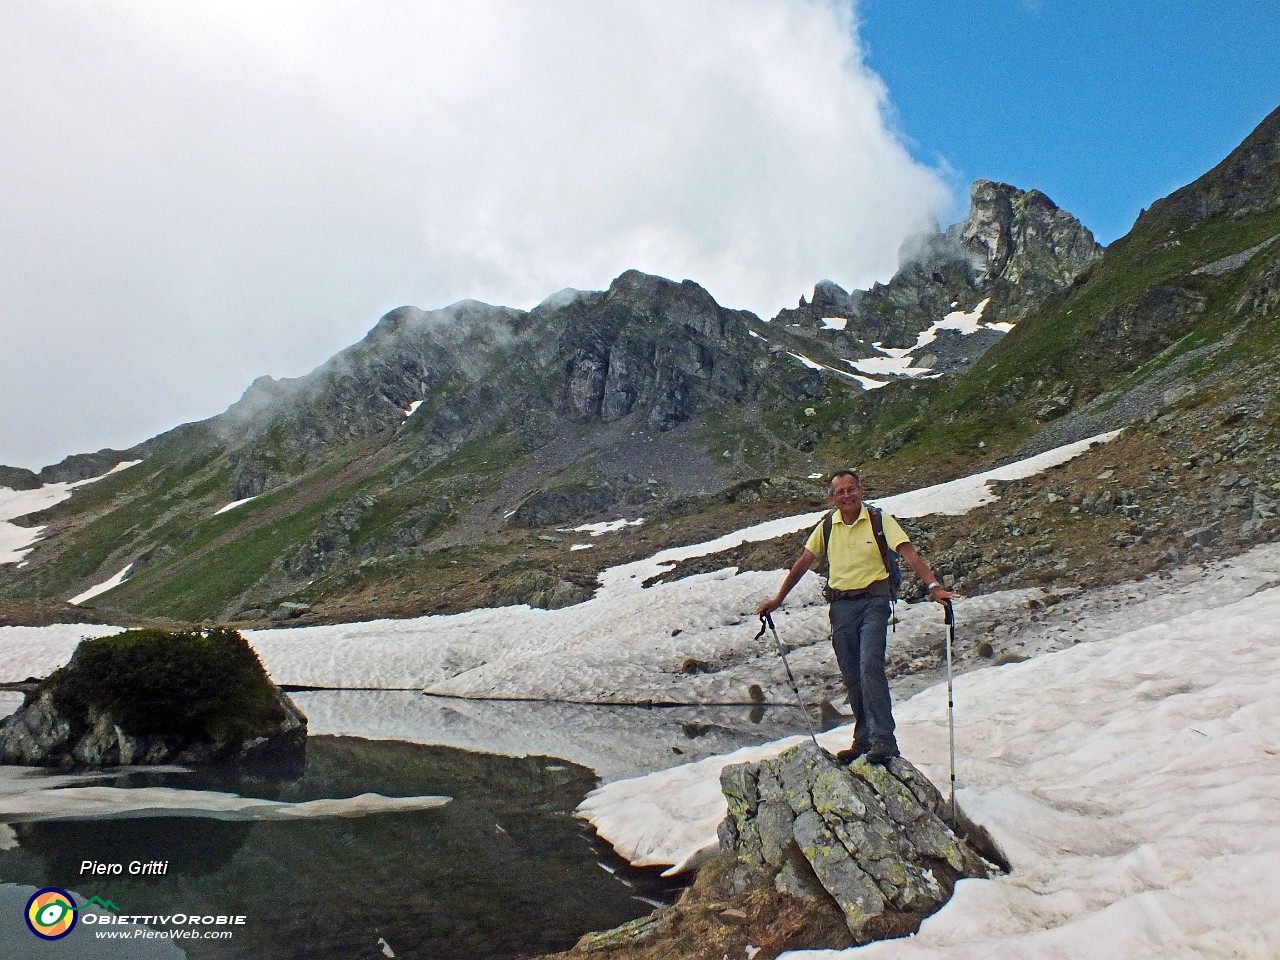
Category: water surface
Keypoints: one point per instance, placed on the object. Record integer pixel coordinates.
(503, 870)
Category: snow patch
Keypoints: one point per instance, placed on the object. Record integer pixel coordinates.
(960, 496)
(15, 541)
(811, 364)
(870, 384)
(38, 651)
(888, 365)
(122, 465)
(835, 323)
(233, 504)
(609, 526)
(815, 365)
(897, 361)
(101, 588)
(966, 323)
(33, 798)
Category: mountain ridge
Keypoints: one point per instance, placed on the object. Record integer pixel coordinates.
(427, 466)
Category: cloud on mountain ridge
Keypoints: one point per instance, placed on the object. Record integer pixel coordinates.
(200, 193)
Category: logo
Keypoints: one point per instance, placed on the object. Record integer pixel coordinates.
(51, 913)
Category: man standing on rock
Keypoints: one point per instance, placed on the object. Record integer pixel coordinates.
(858, 589)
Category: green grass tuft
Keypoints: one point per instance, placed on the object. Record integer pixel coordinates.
(207, 685)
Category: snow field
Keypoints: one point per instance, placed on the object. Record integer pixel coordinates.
(1132, 784)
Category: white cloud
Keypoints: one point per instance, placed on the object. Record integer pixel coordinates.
(194, 194)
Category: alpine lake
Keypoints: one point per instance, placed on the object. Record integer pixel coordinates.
(503, 870)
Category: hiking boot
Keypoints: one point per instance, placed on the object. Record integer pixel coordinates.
(853, 753)
(882, 754)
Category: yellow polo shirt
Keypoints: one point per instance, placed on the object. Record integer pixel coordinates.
(855, 559)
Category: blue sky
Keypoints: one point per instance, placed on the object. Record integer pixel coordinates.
(1103, 106)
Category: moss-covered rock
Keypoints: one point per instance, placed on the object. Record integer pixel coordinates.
(869, 838)
(153, 697)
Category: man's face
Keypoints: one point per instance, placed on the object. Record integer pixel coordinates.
(846, 494)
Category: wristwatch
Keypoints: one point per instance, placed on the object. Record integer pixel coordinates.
(928, 587)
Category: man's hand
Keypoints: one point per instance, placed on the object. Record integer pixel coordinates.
(942, 595)
(768, 607)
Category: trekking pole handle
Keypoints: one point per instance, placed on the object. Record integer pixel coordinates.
(948, 614)
(766, 623)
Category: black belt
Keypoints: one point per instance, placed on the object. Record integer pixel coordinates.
(879, 588)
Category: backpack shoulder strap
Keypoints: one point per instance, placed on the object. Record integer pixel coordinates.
(877, 527)
(826, 534)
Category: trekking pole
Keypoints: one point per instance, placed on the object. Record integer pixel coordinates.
(795, 688)
(949, 617)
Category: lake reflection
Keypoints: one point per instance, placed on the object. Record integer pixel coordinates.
(615, 742)
(504, 870)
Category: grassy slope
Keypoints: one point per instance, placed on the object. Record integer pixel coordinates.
(195, 562)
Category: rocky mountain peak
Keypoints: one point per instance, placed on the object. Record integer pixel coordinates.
(832, 300)
(1011, 250)
(651, 344)
(987, 231)
(257, 398)
(1019, 235)
(636, 296)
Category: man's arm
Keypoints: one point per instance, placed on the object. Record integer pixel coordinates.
(937, 592)
(798, 570)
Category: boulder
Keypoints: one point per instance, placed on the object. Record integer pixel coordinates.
(157, 697)
(539, 589)
(868, 837)
(290, 610)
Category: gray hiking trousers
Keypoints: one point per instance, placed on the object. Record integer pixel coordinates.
(859, 634)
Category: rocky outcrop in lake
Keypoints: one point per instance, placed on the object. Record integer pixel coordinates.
(157, 697)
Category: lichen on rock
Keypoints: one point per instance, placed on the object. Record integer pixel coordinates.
(814, 855)
(869, 837)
